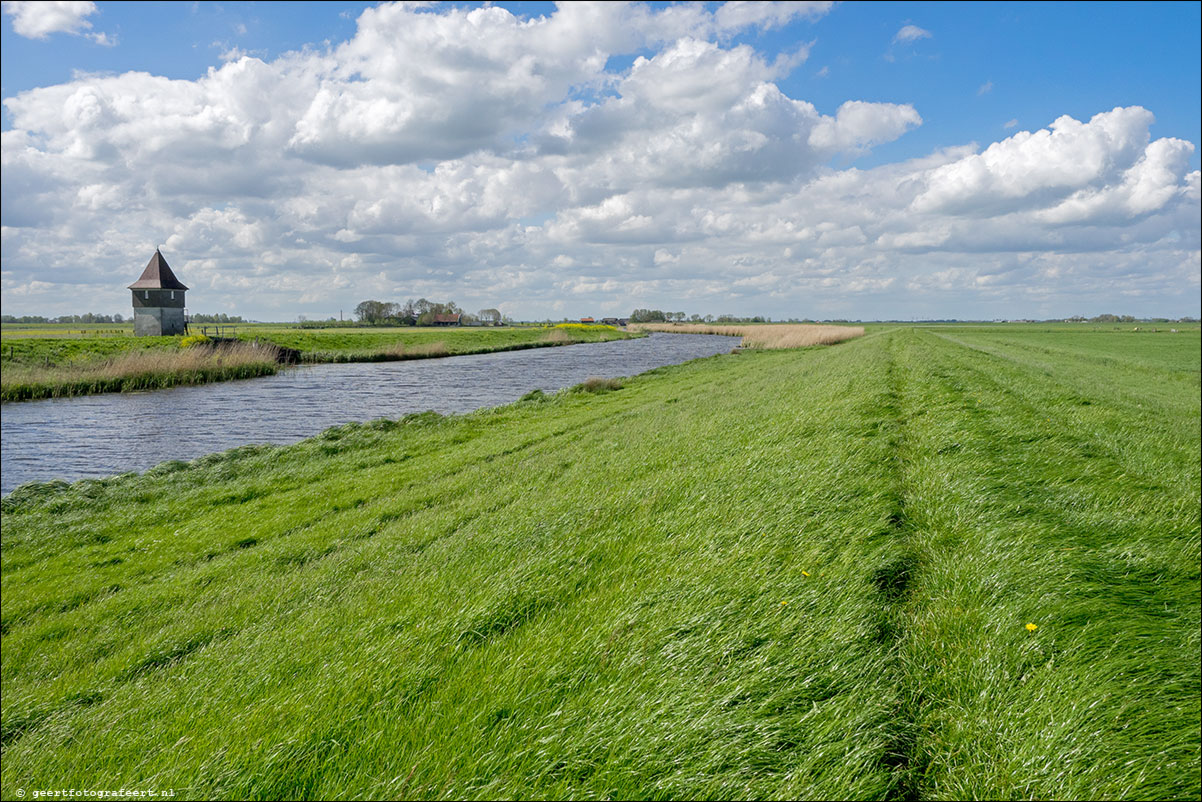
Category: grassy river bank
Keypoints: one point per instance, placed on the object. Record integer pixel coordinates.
(73, 361)
(926, 563)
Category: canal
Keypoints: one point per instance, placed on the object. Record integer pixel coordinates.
(101, 435)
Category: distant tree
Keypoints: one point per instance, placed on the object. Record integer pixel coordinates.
(490, 316)
(432, 308)
(420, 312)
(371, 312)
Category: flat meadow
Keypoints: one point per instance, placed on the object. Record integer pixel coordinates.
(929, 562)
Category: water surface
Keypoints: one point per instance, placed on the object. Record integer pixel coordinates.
(101, 435)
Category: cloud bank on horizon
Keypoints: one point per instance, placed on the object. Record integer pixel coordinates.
(505, 161)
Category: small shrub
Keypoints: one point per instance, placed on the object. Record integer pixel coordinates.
(194, 339)
(597, 384)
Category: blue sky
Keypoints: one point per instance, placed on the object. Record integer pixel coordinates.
(608, 211)
(983, 65)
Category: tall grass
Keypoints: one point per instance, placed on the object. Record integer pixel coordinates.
(139, 370)
(557, 336)
(769, 336)
(790, 574)
(418, 351)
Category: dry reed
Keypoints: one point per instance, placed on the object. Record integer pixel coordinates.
(419, 351)
(770, 336)
(557, 336)
(140, 370)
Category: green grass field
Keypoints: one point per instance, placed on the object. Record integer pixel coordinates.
(781, 574)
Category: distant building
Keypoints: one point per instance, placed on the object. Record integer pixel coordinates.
(445, 320)
(158, 300)
(587, 320)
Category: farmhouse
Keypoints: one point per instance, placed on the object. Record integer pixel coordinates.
(158, 300)
(445, 320)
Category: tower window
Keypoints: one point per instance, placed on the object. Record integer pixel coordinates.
(146, 294)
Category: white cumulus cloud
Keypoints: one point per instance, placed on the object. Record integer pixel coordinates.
(503, 161)
(37, 19)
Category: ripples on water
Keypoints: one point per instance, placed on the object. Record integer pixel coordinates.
(101, 435)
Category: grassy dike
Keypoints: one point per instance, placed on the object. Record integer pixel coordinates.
(782, 574)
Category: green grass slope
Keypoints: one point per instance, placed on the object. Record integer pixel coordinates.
(800, 574)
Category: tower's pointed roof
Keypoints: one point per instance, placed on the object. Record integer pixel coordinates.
(157, 276)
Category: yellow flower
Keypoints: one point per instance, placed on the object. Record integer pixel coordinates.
(1032, 627)
(782, 604)
(805, 573)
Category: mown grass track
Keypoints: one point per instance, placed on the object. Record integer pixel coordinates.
(791, 574)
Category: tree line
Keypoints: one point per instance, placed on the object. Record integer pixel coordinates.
(91, 317)
(419, 313)
(88, 317)
(658, 316)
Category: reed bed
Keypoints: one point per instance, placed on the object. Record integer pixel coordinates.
(139, 370)
(557, 335)
(768, 337)
(418, 351)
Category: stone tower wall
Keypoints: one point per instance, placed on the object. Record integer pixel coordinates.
(158, 321)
